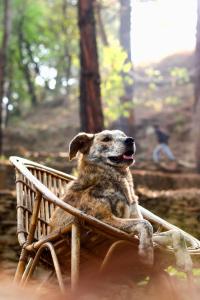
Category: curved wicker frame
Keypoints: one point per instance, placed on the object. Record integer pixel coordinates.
(39, 190)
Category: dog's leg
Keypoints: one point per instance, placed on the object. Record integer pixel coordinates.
(176, 240)
(142, 228)
(135, 212)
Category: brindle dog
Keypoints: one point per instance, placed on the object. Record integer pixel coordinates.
(104, 189)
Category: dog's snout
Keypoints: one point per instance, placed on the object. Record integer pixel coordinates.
(129, 141)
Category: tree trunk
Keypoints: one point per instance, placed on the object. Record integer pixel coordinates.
(127, 123)
(91, 114)
(100, 25)
(197, 92)
(3, 60)
(24, 66)
(67, 56)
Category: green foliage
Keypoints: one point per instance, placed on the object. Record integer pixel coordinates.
(174, 272)
(49, 30)
(157, 104)
(172, 100)
(153, 73)
(50, 52)
(196, 272)
(113, 65)
(152, 86)
(1, 19)
(144, 282)
(182, 275)
(180, 75)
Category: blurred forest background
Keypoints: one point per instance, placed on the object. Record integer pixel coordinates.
(40, 68)
(70, 65)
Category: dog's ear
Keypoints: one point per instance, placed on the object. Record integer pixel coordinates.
(81, 142)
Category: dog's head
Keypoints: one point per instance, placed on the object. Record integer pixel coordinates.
(110, 147)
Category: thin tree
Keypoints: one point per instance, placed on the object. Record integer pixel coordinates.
(100, 24)
(24, 64)
(91, 113)
(127, 123)
(3, 60)
(197, 91)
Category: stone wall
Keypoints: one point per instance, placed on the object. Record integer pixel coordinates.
(9, 247)
(179, 207)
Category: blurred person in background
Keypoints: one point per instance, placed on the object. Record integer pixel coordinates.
(162, 147)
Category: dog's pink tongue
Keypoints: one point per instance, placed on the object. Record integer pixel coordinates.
(128, 156)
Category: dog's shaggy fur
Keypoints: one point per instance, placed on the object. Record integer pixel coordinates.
(104, 189)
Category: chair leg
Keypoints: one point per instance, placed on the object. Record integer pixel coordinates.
(21, 266)
(110, 252)
(55, 263)
(75, 255)
(26, 271)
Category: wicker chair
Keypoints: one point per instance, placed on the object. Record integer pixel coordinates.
(39, 190)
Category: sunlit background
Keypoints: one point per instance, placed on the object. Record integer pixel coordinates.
(161, 28)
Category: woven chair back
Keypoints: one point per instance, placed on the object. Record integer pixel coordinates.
(26, 194)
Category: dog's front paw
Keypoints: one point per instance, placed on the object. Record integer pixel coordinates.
(184, 261)
(146, 254)
(145, 232)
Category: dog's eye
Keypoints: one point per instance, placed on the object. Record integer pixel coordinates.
(107, 139)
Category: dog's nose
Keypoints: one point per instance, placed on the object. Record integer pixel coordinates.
(129, 141)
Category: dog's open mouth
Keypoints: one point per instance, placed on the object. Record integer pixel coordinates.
(128, 156)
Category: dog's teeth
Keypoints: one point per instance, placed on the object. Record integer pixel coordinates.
(128, 156)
